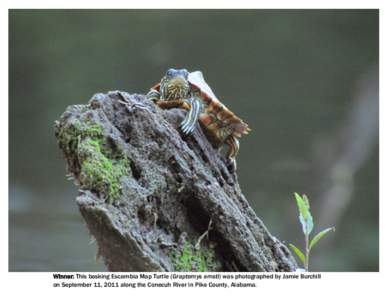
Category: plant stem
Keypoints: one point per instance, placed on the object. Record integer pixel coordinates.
(306, 261)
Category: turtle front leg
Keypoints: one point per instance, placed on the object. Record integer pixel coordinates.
(234, 145)
(188, 123)
(153, 95)
(173, 104)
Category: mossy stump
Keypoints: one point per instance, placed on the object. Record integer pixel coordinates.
(156, 200)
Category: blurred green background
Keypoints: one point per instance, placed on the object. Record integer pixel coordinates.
(293, 75)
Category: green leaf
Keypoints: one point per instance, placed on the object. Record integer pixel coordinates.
(305, 217)
(303, 222)
(298, 252)
(302, 206)
(319, 236)
(306, 200)
(309, 224)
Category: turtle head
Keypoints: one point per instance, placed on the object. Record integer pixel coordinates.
(175, 84)
(171, 73)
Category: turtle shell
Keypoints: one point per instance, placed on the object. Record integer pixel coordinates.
(215, 108)
(216, 116)
(196, 78)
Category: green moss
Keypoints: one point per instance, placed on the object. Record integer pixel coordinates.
(69, 135)
(98, 171)
(88, 128)
(190, 259)
(99, 167)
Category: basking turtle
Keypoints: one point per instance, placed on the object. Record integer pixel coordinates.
(179, 88)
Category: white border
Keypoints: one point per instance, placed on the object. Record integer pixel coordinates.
(338, 285)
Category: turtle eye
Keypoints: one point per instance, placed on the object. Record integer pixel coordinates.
(170, 72)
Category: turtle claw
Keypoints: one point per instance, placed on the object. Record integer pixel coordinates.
(187, 128)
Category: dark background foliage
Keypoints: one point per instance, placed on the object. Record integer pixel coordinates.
(290, 74)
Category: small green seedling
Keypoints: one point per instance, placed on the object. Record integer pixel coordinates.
(306, 219)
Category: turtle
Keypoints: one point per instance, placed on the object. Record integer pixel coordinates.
(189, 90)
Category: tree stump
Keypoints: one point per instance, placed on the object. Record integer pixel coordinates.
(156, 200)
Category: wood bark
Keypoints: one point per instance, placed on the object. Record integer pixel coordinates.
(177, 192)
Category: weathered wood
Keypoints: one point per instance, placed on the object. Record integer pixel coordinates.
(156, 200)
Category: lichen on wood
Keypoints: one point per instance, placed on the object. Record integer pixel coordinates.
(156, 200)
